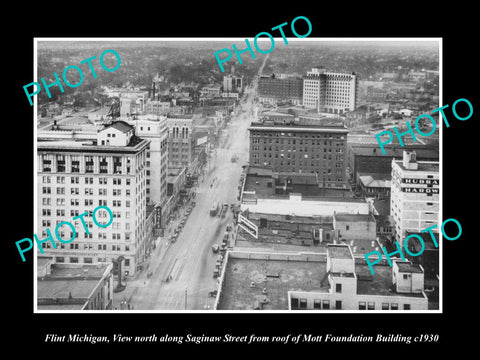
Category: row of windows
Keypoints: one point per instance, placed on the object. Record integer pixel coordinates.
(87, 202)
(87, 191)
(362, 305)
(75, 245)
(61, 212)
(87, 260)
(328, 157)
(298, 136)
(46, 179)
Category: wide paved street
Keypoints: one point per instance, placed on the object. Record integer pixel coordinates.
(189, 262)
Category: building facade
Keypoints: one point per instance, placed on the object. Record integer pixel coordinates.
(414, 201)
(154, 129)
(75, 177)
(292, 147)
(330, 92)
(270, 87)
(343, 289)
(181, 143)
(74, 286)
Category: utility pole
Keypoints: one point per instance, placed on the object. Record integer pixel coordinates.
(185, 298)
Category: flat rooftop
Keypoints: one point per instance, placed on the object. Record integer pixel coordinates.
(304, 184)
(295, 126)
(281, 276)
(353, 217)
(422, 166)
(396, 152)
(338, 252)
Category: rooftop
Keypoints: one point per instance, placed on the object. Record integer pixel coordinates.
(295, 126)
(423, 153)
(120, 125)
(407, 266)
(266, 183)
(282, 272)
(375, 180)
(353, 217)
(422, 166)
(338, 251)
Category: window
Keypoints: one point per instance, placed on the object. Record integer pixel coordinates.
(294, 303)
(362, 305)
(405, 276)
(394, 306)
(338, 305)
(338, 288)
(406, 306)
(303, 303)
(371, 305)
(326, 304)
(317, 304)
(74, 260)
(385, 306)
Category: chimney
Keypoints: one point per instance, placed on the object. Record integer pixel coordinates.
(410, 160)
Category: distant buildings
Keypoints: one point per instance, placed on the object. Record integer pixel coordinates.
(415, 194)
(272, 89)
(232, 83)
(329, 91)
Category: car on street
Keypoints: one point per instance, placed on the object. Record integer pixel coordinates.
(213, 293)
(215, 248)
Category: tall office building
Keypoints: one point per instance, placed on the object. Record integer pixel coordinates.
(76, 176)
(154, 129)
(232, 83)
(330, 92)
(294, 147)
(414, 202)
(181, 144)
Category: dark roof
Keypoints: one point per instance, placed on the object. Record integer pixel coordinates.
(121, 126)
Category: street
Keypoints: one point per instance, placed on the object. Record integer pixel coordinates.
(182, 271)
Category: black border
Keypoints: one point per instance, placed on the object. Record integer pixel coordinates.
(456, 26)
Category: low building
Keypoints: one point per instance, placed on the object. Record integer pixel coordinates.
(264, 191)
(345, 289)
(73, 286)
(354, 227)
(374, 185)
(283, 281)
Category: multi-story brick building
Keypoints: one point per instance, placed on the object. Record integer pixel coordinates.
(294, 147)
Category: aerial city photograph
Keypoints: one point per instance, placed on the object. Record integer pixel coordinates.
(167, 180)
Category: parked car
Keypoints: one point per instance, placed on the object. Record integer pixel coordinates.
(215, 248)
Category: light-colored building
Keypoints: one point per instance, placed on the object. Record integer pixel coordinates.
(354, 226)
(345, 289)
(232, 83)
(330, 92)
(154, 129)
(414, 200)
(156, 107)
(75, 177)
(287, 280)
(73, 286)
